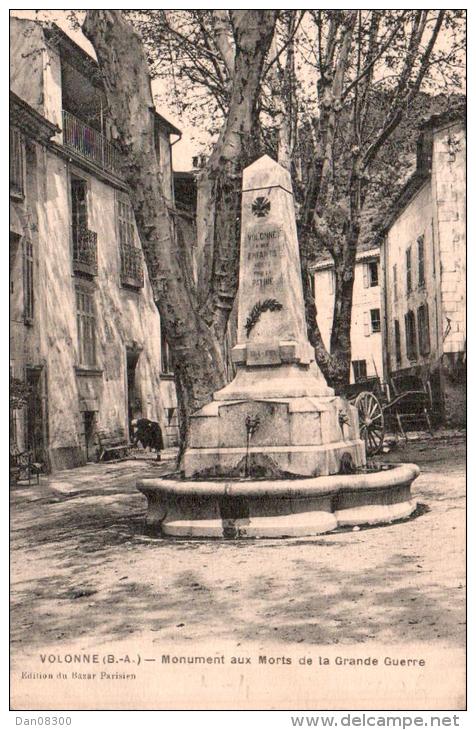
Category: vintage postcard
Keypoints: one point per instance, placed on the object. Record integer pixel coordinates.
(238, 359)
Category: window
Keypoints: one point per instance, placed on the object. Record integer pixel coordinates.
(370, 274)
(165, 357)
(375, 320)
(408, 256)
(79, 209)
(85, 244)
(16, 161)
(28, 298)
(360, 369)
(421, 261)
(398, 344)
(126, 223)
(395, 285)
(86, 320)
(132, 270)
(410, 335)
(423, 329)
(373, 273)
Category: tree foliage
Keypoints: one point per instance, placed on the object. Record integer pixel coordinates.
(336, 87)
(323, 91)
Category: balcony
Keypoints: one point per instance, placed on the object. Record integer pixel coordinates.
(85, 252)
(132, 270)
(89, 143)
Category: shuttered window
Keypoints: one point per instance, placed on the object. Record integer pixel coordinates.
(410, 335)
(28, 291)
(126, 222)
(398, 343)
(79, 211)
(421, 261)
(86, 321)
(408, 259)
(423, 329)
(16, 162)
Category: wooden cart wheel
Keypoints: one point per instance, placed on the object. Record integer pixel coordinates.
(371, 422)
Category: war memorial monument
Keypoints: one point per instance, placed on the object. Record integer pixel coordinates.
(266, 456)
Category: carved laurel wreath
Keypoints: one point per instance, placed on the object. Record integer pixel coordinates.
(268, 305)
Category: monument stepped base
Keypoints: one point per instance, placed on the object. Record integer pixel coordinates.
(277, 508)
(292, 461)
(298, 436)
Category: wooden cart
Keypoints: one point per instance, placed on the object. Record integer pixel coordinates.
(399, 403)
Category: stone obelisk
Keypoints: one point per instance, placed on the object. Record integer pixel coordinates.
(271, 322)
(301, 428)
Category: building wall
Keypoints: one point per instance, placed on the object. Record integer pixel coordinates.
(35, 69)
(25, 345)
(449, 211)
(123, 317)
(437, 212)
(415, 221)
(365, 344)
(449, 186)
(127, 319)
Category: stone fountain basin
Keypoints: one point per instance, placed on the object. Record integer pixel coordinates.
(277, 508)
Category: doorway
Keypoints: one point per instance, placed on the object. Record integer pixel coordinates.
(133, 391)
(35, 440)
(89, 422)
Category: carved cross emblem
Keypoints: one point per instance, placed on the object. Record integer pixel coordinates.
(260, 207)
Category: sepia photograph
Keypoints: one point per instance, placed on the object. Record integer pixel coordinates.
(237, 355)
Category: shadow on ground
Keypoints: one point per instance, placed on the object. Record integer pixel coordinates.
(82, 567)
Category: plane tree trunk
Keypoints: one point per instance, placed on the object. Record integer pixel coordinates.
(194, 325)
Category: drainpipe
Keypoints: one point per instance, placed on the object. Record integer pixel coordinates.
(103, 131)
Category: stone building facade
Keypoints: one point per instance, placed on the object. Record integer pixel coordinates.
(424, 268)
(85, 331)
(366, 338)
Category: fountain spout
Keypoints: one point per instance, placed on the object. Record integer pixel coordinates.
(251, 424)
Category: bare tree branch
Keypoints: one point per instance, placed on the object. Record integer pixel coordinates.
(406, 91)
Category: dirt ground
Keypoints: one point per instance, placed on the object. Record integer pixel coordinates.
(81, 565)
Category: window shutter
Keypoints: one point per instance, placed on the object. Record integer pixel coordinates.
(366, 324)
(365, 272)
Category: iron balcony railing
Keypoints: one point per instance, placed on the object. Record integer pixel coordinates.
(89, 143)
(85, 251)
(132, 270)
